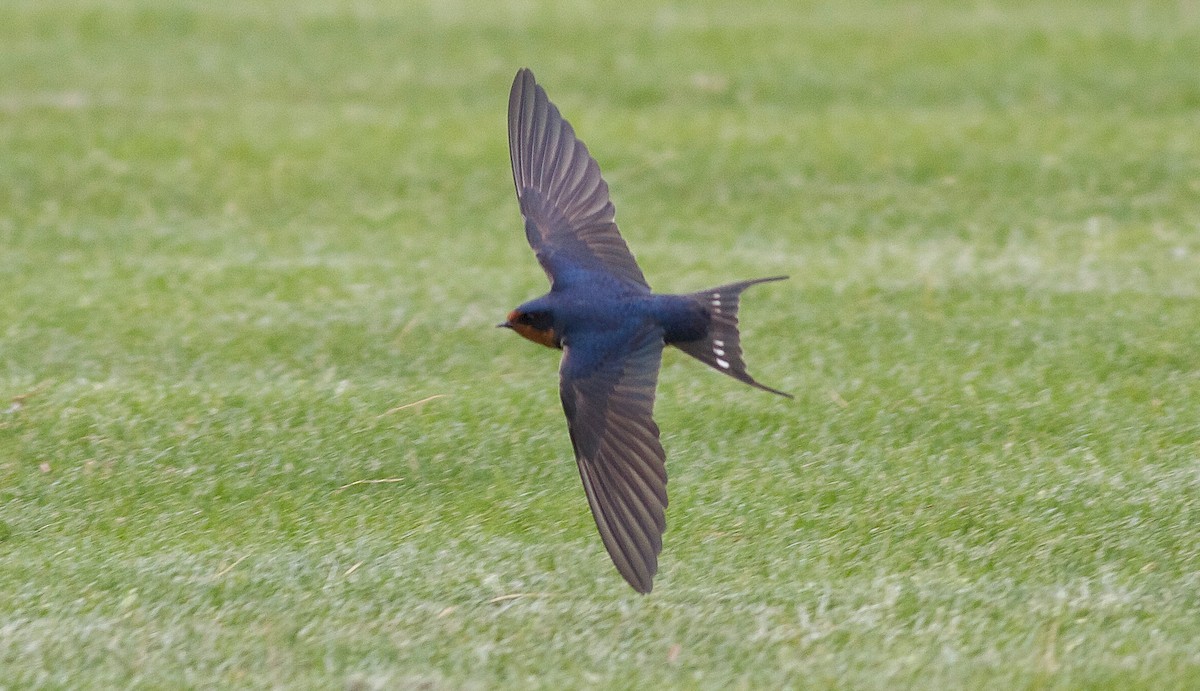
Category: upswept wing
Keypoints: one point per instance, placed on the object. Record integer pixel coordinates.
(608, 395)
(564, 200)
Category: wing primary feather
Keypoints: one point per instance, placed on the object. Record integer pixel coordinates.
(615, 546)
(514, 138)
(639, 499)
(551, 155)
(622, 545)
(632, 521)
(543, 120)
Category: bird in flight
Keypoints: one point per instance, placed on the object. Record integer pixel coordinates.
(611, 328)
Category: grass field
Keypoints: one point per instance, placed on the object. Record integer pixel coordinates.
(238, 239)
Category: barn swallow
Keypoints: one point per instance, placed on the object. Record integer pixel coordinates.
(610, 327)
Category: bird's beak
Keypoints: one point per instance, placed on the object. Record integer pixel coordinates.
(504, 325)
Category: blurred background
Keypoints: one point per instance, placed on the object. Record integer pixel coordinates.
(256, 427)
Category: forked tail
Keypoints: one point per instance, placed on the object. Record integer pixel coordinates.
(721, 346)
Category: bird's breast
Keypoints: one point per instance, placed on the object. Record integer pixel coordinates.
(546, 337)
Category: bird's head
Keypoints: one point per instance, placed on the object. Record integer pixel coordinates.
(536, 325)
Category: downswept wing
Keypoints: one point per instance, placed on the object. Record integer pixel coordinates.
(569, 218)
(609, 401)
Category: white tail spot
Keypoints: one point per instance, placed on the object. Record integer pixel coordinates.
(719, 344)
(716, 302)
(722, 363)
(718, 352)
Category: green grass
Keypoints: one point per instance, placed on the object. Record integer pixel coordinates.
(236, 237)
